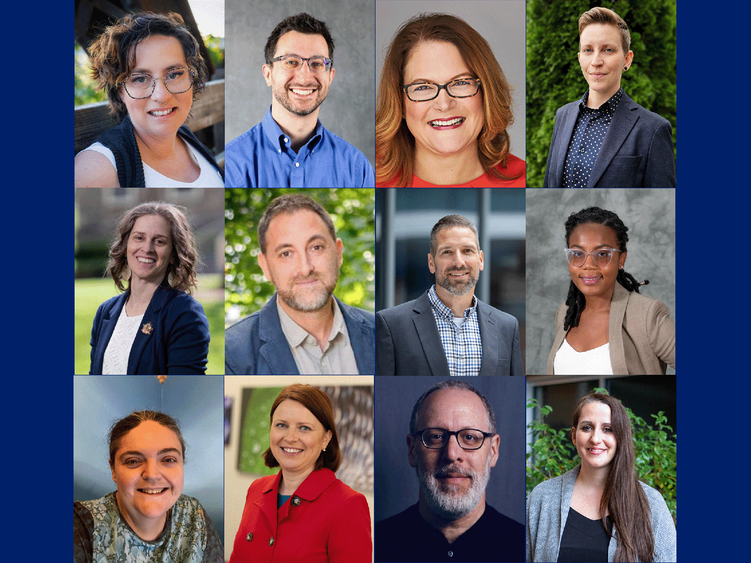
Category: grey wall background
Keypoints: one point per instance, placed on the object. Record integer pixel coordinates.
(396, 485)
(649, 215)
(500, 22)
(349, 109)
(196, 402)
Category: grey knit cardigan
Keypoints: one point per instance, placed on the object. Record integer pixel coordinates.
(547, 509)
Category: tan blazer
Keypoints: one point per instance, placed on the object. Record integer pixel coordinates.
(641, 332)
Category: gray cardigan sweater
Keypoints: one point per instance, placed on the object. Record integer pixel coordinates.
(547, 510)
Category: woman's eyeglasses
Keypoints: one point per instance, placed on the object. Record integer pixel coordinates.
(426, 91)
(601, 256)
(141, 85)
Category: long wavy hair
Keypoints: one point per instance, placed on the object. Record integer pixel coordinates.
(395, 144)
(181, 272)
(623, 497)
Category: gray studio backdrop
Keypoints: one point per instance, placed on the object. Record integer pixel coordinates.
(649, 215)
(396, 485)
(349, 108)
(502, 24)
(196, 402)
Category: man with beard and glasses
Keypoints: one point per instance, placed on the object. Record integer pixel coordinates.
(303, 329)
(447, 331)
(452, 444)
(290, 148)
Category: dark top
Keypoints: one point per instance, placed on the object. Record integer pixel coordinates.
(408, 537)
(584, 540)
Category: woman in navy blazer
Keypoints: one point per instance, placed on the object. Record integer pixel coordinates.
(605, 139)
(154, 327)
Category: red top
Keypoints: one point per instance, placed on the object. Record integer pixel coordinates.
(515, 166)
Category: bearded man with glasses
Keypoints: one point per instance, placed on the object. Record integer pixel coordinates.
(290, 148)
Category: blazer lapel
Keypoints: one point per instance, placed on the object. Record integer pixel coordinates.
(567, 130)
(615, 329)
(361, 339)
(149, 328)
(274, 347)
(108, 327)
(267, 504)
(624, 119)
(489, 339)
(427, 332)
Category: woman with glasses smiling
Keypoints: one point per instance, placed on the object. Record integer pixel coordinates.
(443, 110)
(152, 71)
(606, 327)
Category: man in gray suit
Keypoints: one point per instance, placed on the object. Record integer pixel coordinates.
(447, 331)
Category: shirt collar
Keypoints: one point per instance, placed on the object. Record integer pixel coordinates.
(444, 311)
(608, 107)
(279, 139)
(296, 335)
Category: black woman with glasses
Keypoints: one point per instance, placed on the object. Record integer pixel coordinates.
(606, 327)
(443, 110)
(151, 68)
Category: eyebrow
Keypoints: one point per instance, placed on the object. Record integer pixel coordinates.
(604, 245)
(460, 75)
(166, 69)
(284, 245)
(160, 452)
(608, 423)
(144, 233)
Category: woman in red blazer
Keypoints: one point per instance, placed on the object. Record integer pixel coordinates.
(303, 513)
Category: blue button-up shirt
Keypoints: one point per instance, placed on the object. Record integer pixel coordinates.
(263, 158)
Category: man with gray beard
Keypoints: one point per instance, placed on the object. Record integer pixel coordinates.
(303, 329)
(452, 444)
(447, 331)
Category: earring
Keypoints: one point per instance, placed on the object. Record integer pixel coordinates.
(625, 68)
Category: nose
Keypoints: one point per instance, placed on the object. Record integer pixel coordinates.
(149, 470)
(596, 436)
(160, 91)
(305, 264)
(597, 58)
(452, 451)
(443, 101)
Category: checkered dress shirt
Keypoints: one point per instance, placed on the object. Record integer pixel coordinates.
(462, 344)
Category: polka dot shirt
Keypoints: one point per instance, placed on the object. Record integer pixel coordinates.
(591, 127)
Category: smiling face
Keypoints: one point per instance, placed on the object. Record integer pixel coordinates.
(149, 249)
(444, 126)
(301, 260)
(453, 480)
(602, 60)
(148, 471)
(593, 436)
(299, 92)
(458, 261)
(593, 280)
(163, 113)
(296, 438)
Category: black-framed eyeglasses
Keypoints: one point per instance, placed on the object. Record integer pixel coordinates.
(295, 62)
(141, 85)
(426, 91)
(467, 438)
(601, 256)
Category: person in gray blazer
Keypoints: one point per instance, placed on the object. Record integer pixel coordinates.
(303, 329)
(605, 139)
(448, 331)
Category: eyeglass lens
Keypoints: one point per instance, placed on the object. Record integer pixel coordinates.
(438, 438)
(315, 64)
(142, 85)
(601, 256)
(463, 88)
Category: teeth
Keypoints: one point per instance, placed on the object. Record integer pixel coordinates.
(438, 123)
(291, 450)
(158, 113)
(152, 491)
(301, 92)
(146, 260)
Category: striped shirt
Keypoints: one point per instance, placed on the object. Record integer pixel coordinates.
(460, 337)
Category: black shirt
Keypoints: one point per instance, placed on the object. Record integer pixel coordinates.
(584, 540)
(407, 537)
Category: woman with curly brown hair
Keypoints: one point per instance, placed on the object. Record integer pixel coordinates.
(443, 110)
(154, 327)
(152, 71)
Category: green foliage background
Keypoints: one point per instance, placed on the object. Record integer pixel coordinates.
(553, 453)
(554, 77)
(353, 213)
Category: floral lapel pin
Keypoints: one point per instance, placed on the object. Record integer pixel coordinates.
(147, 328)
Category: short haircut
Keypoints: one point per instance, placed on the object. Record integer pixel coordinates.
(451, 221)
(319, 405)
(181, 271)
(121, 427)
(302, 23)
(290, 204)
(451, 384)
(609, 17)
(113, 54)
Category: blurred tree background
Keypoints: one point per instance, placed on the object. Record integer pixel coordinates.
(353, 213)
(554, 77)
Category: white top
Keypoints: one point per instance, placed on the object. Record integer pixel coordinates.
(592, 362)
(118, 348)
(209, 178)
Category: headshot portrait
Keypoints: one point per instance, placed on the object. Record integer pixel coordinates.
(448, 301)
(451, 97)
(601, 470)
(148, 280)
(299, 469)
(601, 282)
(449, 469)
(609, 77)
(148, 469)
(162, 122)
(302, 95)
(300, 282)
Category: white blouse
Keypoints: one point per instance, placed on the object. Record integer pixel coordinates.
(118, 348)
(568, 361)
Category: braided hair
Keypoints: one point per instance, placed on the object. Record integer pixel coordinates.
(575, 300)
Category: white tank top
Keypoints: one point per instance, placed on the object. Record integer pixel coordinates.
(568, 361)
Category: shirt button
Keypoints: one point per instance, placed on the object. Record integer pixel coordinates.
(451, 553)
(296, 501)
(271, 541)
(286, 140)
(297, 165)
(249, 536)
